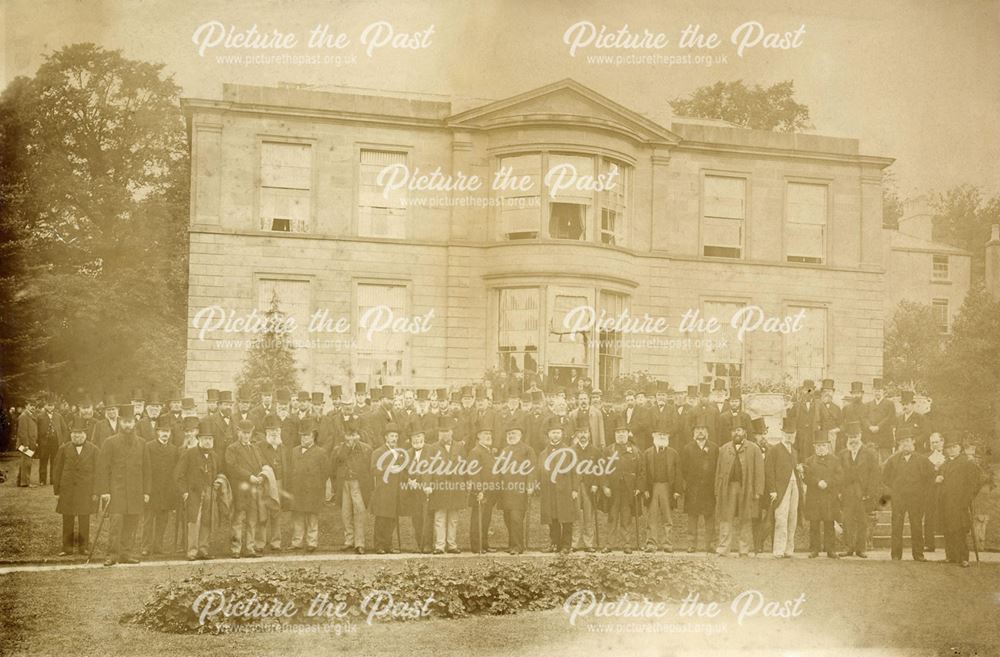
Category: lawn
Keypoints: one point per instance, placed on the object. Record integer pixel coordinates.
(850, 607)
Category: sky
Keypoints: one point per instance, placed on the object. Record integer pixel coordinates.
(916, 80)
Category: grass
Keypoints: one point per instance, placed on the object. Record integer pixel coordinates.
(890, 608)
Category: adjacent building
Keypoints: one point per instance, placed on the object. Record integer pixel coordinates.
(703, 218)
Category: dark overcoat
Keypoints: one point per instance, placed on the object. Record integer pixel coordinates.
(73, 479)
(821, 503)
(556, 487)
(162, 462)
(306, 484)
(123, 471)
(698, 472)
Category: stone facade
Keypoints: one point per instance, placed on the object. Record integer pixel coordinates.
(456, 260)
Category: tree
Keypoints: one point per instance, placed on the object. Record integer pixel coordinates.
(269, 360)
(912, 345)
(892, 205)
(761, 108)
(965, 382)
(962, 218)
(93, 215)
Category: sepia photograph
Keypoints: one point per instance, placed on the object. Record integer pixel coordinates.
(499, 328)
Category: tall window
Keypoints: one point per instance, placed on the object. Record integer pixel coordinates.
(285, 181)
(725, 213)
(293, 301)
(380, 355)
(518, 333)
(805, 228)
(381, 212)
(610, 350)
(941, 316)
(722, 354)
(573, 213)
(520, 209)
(570, 209)
(805, 350)
(614, 202)
(564, 348)
(940, 268)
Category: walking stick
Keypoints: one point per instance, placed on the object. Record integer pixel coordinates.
(636, 502)
(597, 524)
(524, 521)
(102, 511)
(479, 507)
(184, 526)
(972, 529)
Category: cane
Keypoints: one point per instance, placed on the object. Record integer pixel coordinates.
(636, 502)
(597, 523)
(972, 529)
(102, 512)
(479, 507)
(524, 520)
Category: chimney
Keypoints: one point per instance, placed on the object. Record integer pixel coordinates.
(993, 263)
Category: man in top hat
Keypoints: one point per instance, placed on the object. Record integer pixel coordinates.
(52, 432)
(822, 475)
(189, 428)
(264, 408)
(636, 418)
(535, 421)
(682, 432)
(415, 494)
(73, 482)
(858, 490)
(960, 480)
(174, 407)
(331, 432)
(309, 469)
(146, 413)
(195, 474)
(516, 477)
(739, 482)
(448, 486)
(275, 466)
(698, 460)
(706, 414)
(621, 487)
(877, 428)
(244, 465)
(386, 464)
(854, 411)
(162, 455)
(763, 519)
(589, 488)
(660, 482)
(732, 415)
(559, 489)
(805, 415)
(914, 421)
(831, 416)
(661, 408)
(288, 422)
(109, 425)
(907, 476)
(483, 494)
(211, 401)
(932, 507)
(223, 425)
(123, 481)
(351, 461)
(782, 474)
(593, 417)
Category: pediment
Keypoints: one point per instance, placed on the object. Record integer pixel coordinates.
(566, 102)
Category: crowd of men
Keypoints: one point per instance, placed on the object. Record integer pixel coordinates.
(430, 457)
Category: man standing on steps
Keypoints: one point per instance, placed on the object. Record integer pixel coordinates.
(881, 418)
(858, 491)
(781, 480)
(908, 476)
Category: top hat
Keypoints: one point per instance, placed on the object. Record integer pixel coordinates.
(317, 399)
(225, 396)
(857, 388)
(212, 395)
(282, 396)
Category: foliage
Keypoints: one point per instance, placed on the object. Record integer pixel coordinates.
(269, 361)
(962, 218)
(490, 588)
(784, 386)
(965, 381)
(634, 381)
(892, 205)
(912, 345)
(761, 108)
(93, 208)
